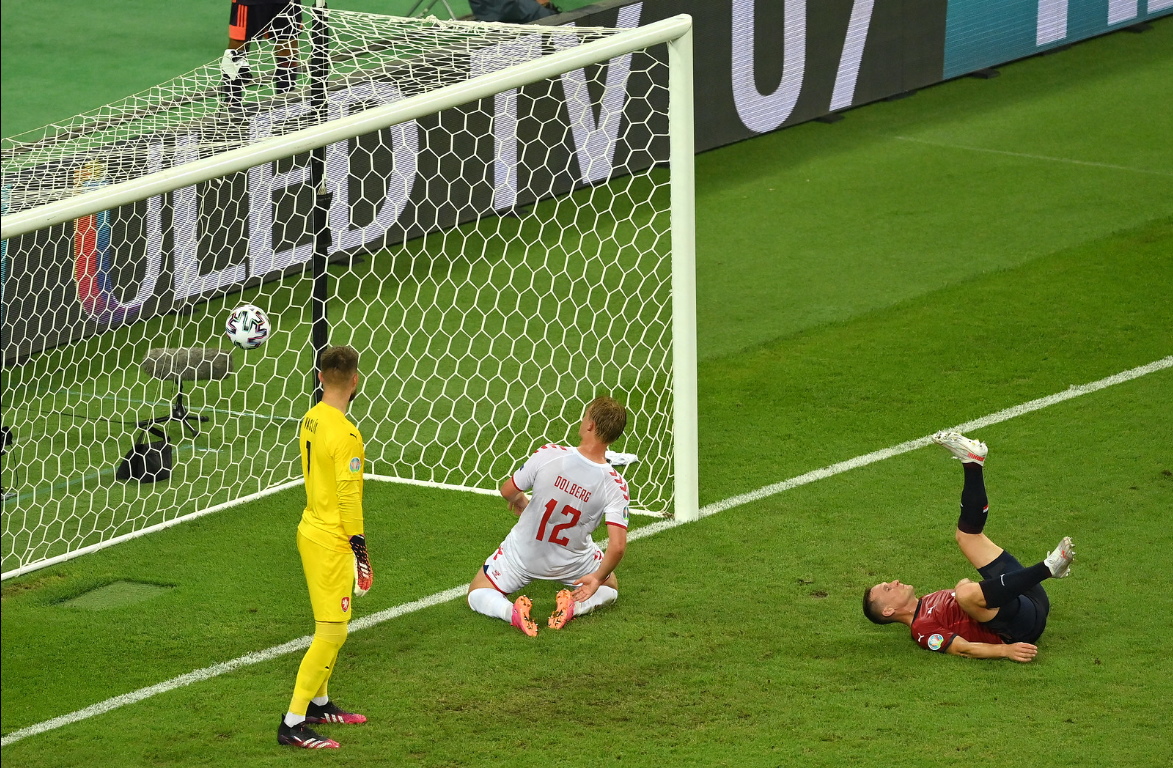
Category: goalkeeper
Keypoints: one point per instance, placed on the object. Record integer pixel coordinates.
(332, 546)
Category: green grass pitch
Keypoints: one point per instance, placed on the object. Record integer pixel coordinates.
(920, 264)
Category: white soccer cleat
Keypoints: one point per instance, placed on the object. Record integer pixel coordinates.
(1059, 561)
(965, 450)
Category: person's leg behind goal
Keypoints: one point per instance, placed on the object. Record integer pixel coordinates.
(284, 28)
(280, 21)
(234, 69)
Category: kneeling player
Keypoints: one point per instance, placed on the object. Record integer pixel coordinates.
(999, 617)
(574, 490)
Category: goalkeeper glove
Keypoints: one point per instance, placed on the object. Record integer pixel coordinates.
(364, 575)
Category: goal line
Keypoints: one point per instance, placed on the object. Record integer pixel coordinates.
(244, 500)
(456, 592)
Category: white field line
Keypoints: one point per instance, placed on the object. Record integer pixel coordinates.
(454, 593)
(39, 564)
(1028, 156)
(167, 404)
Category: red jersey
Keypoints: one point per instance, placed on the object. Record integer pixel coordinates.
(939, 619)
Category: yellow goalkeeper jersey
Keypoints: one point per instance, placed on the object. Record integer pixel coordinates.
(332, 461)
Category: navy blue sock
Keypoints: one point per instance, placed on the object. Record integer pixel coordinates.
(974, 504)
(1003, 589)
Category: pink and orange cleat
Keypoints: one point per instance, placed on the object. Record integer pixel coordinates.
(521, 617)
(564, 610)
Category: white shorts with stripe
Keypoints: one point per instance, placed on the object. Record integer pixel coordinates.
(509, 575)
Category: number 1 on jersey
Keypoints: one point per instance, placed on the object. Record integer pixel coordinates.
(567, 510)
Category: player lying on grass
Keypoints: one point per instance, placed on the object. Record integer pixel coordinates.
(332, 545)
(574, 490)
(1000, 617)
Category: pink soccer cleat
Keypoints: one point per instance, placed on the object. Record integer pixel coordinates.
(564, 610)
(521, 618)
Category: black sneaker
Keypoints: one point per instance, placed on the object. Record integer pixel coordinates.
(300, 735)
(330, 713)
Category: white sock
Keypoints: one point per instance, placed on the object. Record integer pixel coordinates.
(292, 719)
(491, 603)
(321, 701)
(603, 596)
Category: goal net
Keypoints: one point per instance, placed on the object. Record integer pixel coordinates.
(497, 217)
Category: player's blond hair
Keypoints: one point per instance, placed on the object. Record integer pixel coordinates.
(610, 418)
(338, 365)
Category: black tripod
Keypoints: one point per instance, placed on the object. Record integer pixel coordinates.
(178, 413)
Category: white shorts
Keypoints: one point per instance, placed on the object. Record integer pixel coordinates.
(508, 575)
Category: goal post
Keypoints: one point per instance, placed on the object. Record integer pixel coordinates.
(506, 213)
(686, 436)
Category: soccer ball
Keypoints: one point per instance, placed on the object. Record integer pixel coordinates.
(247, 327)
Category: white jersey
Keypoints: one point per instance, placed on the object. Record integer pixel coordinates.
(571, 496)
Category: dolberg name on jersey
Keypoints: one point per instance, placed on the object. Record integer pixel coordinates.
(572, 489)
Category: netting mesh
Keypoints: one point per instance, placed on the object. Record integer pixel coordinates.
(497, 265)
(408, 56)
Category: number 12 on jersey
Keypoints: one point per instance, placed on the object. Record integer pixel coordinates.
(555, 538)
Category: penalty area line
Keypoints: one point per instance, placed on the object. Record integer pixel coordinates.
(454, 593)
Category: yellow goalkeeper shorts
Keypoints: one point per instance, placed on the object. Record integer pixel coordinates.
(329, 574)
